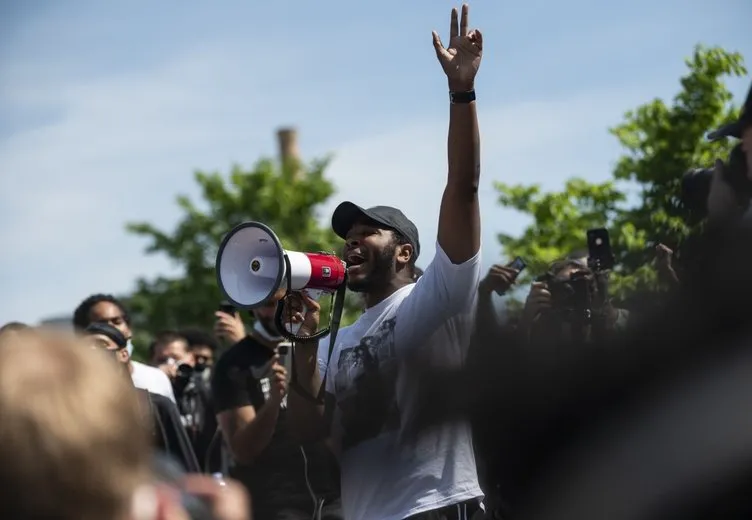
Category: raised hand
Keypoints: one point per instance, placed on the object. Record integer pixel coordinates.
(461, 59)
(499, 279)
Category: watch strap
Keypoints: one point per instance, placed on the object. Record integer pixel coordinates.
(462, 97)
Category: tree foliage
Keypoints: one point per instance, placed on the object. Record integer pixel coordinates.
(661, 141)
(285, 197)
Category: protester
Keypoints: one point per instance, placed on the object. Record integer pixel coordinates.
(370, 394)
(160, 413)
(75, 449)
(106, 308)
(288, 479)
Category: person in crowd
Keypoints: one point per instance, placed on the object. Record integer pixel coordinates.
(170, 352)
(567, 304)
(370, 388)
(288, 479)
(499, 280)
(572, 421)
(210, 448)
(77, 453)
(162, 414)
(204, 347)
(723, 202)
(106, 308)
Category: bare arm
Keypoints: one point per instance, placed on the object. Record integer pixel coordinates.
(246, 432)
(459, 217)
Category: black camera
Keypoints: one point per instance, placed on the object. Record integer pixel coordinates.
(695, 185)
(571, 297)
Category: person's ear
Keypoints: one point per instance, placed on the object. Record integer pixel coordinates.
(404, 254)
(122, 355)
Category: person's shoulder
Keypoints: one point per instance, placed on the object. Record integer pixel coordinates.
(441, 259)
(149, 371)
(159, 400)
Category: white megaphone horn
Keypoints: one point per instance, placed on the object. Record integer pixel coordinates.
(252, 266)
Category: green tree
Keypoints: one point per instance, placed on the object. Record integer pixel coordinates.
(285, 197)
(661, 142)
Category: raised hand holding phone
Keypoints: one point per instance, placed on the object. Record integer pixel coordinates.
(501, 277)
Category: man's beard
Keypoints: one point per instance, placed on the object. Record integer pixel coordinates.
(380, 274)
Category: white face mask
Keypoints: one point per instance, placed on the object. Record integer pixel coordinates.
(129, 347)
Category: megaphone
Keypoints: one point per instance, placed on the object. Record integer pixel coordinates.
(252, 266)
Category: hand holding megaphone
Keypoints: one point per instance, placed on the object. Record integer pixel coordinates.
(301, 311)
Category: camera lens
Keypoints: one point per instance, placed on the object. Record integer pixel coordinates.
(184, 370)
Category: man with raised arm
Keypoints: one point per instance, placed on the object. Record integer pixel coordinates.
(371, 389)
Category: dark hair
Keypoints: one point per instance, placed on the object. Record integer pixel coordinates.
(164, 338)
(81, 318)
(107, 330)
(13, 325)
(200, 338)
(559, 266)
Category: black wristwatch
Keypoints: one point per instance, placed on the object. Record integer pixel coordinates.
(457, 98)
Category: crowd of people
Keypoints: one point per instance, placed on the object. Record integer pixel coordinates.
(427, 407)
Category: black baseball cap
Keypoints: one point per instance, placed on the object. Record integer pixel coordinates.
(347, 214)
(736, 128)
(105, 329)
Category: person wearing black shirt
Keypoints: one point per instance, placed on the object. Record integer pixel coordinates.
(169, 436)
(287, 480)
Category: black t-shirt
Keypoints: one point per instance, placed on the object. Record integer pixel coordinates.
(195, 405)
(168, 433)
(277, 478)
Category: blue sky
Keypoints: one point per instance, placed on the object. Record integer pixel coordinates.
(107, 108)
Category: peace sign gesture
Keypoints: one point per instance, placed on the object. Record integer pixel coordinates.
(462, 59)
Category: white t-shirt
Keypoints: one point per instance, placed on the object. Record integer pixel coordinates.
(383, 477)
(151, 379)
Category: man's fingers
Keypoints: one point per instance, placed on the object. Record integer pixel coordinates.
(477, 39)
(454, 26)
(441, 52)
(464, 20)
(437, 42)
(310, 302)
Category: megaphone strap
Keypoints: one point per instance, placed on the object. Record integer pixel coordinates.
(334, 322)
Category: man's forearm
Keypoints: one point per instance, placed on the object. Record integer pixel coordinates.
(459, 218)
(251, 439)
(464, 146)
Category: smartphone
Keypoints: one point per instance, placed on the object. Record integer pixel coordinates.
(227, 308)
(518, 264)
(599, 248)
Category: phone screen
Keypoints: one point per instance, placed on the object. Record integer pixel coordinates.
(518, 264)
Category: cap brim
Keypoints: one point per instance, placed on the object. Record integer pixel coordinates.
(730, 130)
(347, 214)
